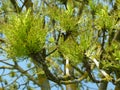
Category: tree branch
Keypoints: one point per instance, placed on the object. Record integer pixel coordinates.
(26, 74)
(6, 67)
(75, 80)
(16, 7)
(40, 59)
(107, 76)
(103, 42)
(51, 52)
(6, 63)
(2, 40)
(28, 4)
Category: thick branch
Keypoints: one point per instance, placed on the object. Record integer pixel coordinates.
(6, 67)
(88, 69)
(16, 7)
(75, 80)
(2, 40)
(51, 52)
(76, 68)
(6, 63)
(103, 42)
(106, 75)
(28, 4)
(40, 59)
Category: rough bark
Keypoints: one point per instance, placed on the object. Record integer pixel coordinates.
(1, 88)
(42, 79)
(117, 84)
(28, 4)
(15, 5)
(103, 86)
(71, 87)
(117, 87)
(69, 72)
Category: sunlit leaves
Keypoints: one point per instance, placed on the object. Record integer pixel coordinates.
(103, 19)
(12, 74)
(93, 4)
(5, 5)
(29, 65)
(116, 48)
(51, 40)
(70, 7)
(25, 35)
(63, 18)
(67, 22)
(29, 88)
(71, 50)
(86, 39)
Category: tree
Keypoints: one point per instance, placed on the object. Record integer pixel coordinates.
(63, 41)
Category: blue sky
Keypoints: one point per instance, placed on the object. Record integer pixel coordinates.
(92, 86)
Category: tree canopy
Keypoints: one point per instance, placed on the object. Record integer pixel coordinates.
(64, 42)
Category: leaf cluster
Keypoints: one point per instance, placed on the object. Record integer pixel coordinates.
(24, 35)
(71, 50)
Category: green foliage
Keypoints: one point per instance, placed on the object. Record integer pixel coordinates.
(29, 65)
(29, 88)
(0, 79)
(71, 50)
(93, 5)
(116, 48)
(67, 22)
(64, 33)
(65, 19)
(104, 20)
(70, 7)
(13, 87)
(24, 35)
(6, 5)
(12, 74)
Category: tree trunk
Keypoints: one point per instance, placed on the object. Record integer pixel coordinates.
(117, 87)
(42, 79)
(71, 87)
(103, 86)
(1, 88)
(69, 71)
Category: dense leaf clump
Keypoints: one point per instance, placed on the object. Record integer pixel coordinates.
(25, 35)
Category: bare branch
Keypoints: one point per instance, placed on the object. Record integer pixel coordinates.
(51, 52)
(16, 7)
(76, 68)
(13, 81)
(26, 74)
(75, 80)
(103, 72)
(6, 63)
(6, 67)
